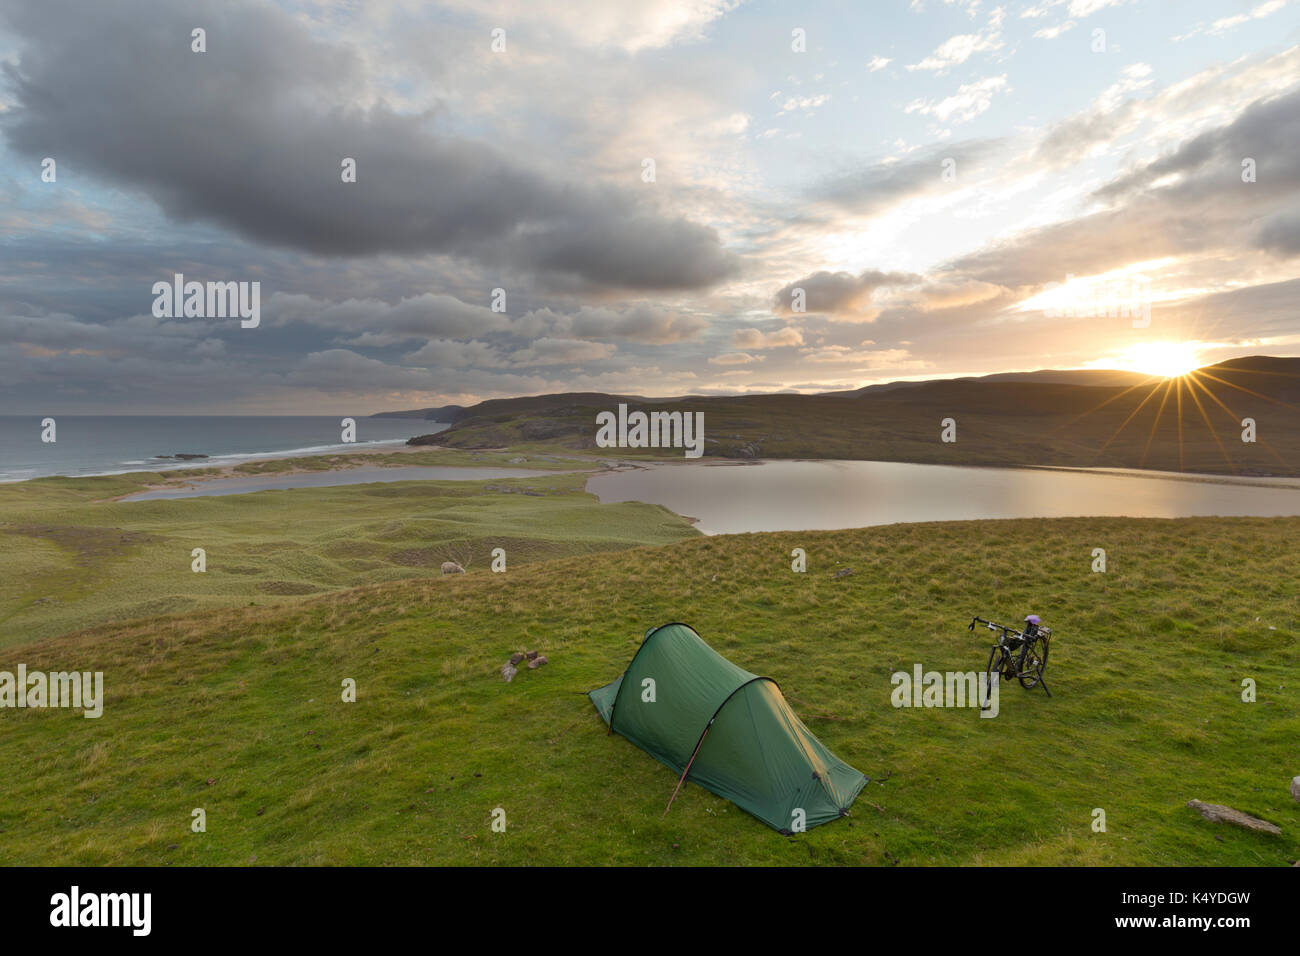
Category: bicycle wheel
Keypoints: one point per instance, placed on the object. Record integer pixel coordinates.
(1031, 671)
(997, 657)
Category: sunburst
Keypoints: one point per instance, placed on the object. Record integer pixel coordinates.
(1175, 375)
(1165, 359)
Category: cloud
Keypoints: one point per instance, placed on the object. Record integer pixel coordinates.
(876, 187)
(958, 49)
(548, 351)
(1051, 33)
(803, 104)
(735, 358)
(644, 323)
(840, 295)
(951, 293)
(970, 100)
(1224, 24)
(627, 25)
(1280, 235)
(755, 339)
(1190, 202)
(867, 360)
(445, 353)
(377, 323)
(251, 134)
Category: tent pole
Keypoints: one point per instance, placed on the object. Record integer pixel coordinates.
(682, 779)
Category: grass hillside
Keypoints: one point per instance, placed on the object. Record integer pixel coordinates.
(70, 556)
(237, 710)
(1187, 424)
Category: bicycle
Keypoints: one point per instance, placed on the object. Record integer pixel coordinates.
(1018, 655)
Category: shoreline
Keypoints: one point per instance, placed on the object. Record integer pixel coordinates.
(179, 479)
(383, 454)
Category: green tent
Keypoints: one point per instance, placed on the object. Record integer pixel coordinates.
(729, 730)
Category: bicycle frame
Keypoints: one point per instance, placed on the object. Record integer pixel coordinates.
(1015, 646)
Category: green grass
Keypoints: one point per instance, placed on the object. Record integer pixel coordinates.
(71, 557)
(238, 710)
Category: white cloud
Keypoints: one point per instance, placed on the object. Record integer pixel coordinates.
(755, 339)
(1051, 33)
(803, 103)
(970, 100)
(1224, 24)
(958, 49)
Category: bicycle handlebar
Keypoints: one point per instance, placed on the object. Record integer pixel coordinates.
(992, 626)
(1043, 631)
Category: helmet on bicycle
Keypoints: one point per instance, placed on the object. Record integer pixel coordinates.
(1033, 619)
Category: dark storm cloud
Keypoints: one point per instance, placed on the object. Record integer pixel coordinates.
(250, 136)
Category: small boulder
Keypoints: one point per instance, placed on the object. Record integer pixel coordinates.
(1295, 787)
(508, 671)
(1218, 813)
(842, 573)
(536, 662)
(531, 655)
(515, 659)
(451, 567)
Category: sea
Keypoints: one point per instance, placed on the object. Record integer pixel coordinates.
(116, 444)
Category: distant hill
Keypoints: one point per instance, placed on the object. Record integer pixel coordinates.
(1092, 377)
(1073, 418)
(447, 414)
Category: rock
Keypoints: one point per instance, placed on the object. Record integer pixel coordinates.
(1218, 813)
(531, 655)
(537, 662)
(842, 573)
(451, 567)
(508, 671)
(515, 659)
(749, 449)
(1295, 787)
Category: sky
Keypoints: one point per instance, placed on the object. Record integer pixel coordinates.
(650, 197)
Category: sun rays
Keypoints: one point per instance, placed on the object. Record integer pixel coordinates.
(1186, 388)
